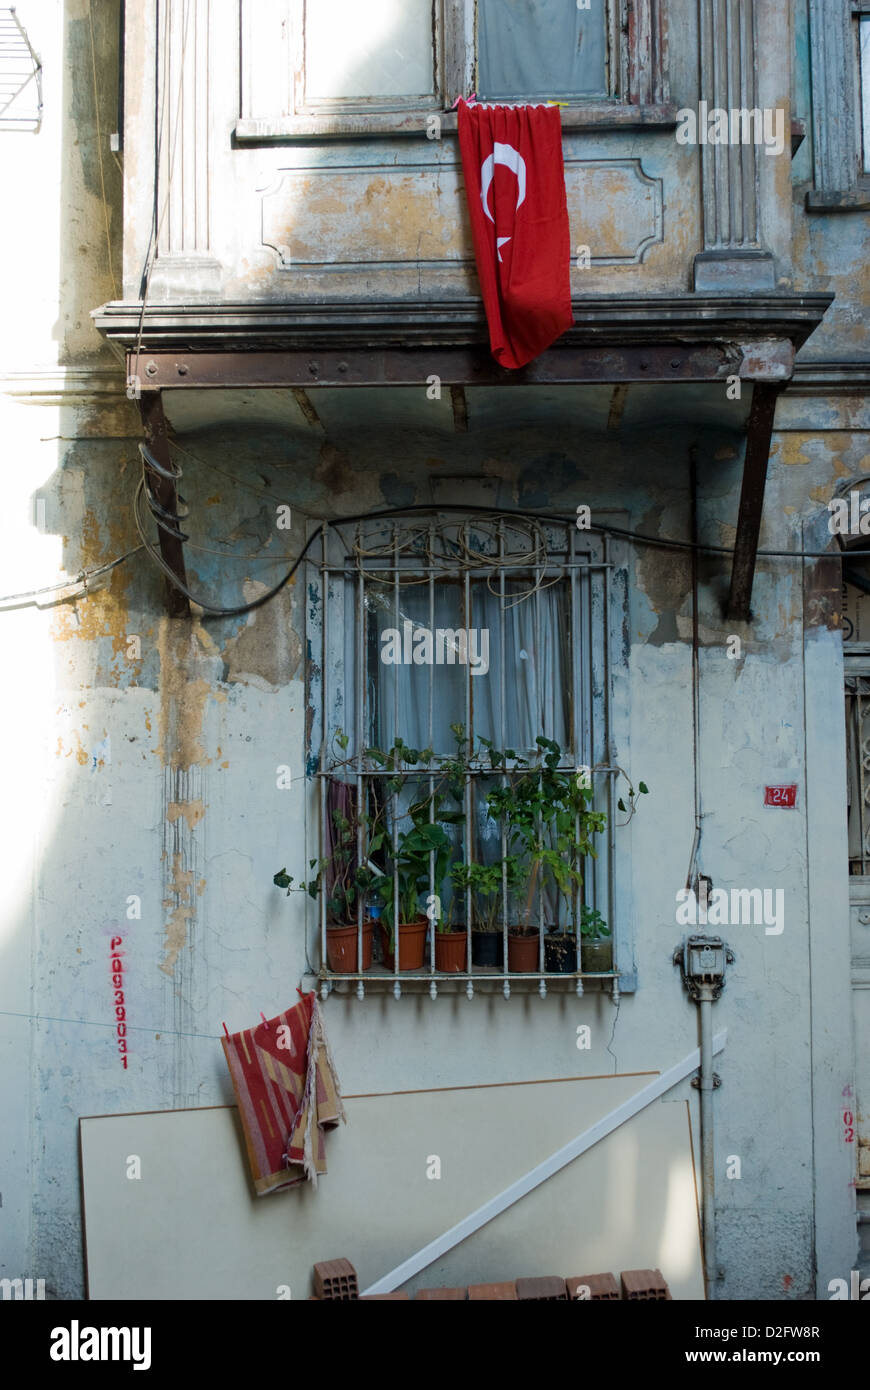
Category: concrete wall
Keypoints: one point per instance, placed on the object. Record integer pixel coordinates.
(153, 776)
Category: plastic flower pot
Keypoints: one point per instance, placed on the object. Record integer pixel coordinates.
(341, 943)
(450, 951)
(522, 950)
(412, 945)
(560, 954)
(597, 954)
(487, 948)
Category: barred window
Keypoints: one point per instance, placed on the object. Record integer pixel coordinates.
(466, 789)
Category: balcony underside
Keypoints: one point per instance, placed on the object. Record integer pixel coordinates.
(650, 339)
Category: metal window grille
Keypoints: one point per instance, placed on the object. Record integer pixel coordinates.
(20, 76)
(365, 576)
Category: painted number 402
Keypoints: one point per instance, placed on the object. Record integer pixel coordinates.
(848, 1120)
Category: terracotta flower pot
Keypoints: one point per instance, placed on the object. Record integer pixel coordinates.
(341, 948)
(522, 950)
(597, 954)
(412, 945)
(450, 951)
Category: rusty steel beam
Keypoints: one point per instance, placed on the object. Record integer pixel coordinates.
(758, 436)
(454, 366)
(166, 495)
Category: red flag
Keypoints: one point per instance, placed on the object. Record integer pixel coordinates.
(515, 183)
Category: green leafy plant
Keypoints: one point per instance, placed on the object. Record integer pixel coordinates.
(592, 924)
(396, 857)
(486, 883)
(548, 822)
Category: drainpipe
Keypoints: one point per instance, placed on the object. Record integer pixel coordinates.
(702, 960)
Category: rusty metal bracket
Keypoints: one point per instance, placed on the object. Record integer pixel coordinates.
(759, 432)
(163, 498)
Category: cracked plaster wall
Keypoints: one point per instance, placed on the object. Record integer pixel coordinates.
(152, 775)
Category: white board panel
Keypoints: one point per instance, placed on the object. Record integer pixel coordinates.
(190, 1227)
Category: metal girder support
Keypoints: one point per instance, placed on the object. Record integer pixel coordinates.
(758, 436)
(453, 366)
(165, 494)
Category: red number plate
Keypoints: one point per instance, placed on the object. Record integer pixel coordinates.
(781, 796)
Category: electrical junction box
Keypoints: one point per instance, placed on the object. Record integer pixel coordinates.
(702, 960)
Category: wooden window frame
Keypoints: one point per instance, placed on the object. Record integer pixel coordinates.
(637, 77)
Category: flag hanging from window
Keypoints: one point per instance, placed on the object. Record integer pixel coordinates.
(515, 183)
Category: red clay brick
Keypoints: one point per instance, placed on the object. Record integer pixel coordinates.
(435, 1294)
(549, 1288)
(644, 1283)
(492, 1291)
(601, 1287)
(336, 1279)
(382, 1297)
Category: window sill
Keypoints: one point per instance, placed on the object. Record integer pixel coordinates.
(285, 130)
(487, 980)
(857, 199)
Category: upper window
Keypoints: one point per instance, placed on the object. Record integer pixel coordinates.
(369, 53)
(541, 48)
(333, 67)
(389, 54)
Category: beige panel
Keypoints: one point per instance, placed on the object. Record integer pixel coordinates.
(417, 212)
(190, 1227)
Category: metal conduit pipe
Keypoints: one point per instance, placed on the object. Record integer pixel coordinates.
(708, 1168)
(702, 960)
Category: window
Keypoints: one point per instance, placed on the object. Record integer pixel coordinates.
(367, 56)
(537, 49)
(331, 67)
(463, 665)
(388, 54)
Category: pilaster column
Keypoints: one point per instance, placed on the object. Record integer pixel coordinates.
(185, 264)
(732, 256)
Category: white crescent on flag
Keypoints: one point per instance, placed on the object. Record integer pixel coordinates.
(511, 159)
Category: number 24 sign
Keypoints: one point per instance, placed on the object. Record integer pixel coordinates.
(785, 796)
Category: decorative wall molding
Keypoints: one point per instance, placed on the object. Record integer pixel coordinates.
(415, 214)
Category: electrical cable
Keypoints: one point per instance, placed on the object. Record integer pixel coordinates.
(385, 513)
(83, 577)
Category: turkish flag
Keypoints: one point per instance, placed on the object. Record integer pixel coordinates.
(515, 182)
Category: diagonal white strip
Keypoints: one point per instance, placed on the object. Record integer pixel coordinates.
(529, 1181)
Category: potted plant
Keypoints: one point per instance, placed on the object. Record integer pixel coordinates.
(549, 825)
(411, 876)
(341, 936)
(484, 883)
(419, 859)
(451, 942)
(346, 883)
(596, 943)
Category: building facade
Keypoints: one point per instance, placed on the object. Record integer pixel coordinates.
(269, 280)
